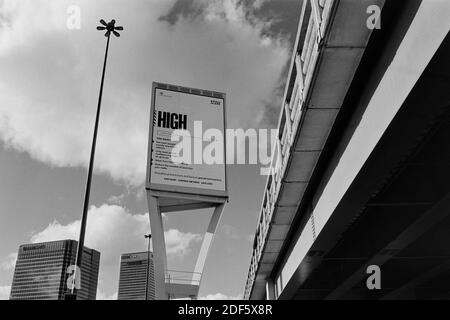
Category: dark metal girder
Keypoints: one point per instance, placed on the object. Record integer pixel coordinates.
(399, 292)
(433, 216)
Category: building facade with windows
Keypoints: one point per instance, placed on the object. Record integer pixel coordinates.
(136, 274)
(41, 271)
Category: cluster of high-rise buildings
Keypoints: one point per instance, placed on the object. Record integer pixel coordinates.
(41, 273)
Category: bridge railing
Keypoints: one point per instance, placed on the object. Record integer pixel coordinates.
(312, 25)
(183, 277)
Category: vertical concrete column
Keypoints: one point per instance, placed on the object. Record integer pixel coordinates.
(159, 248)
(207, 241)
(270, 289)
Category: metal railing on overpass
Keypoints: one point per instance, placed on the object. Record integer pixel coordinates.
(313, 22)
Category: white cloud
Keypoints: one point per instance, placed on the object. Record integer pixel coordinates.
(4, 292)
(178, 243)
(50, 75)
(259, 3)
(113, 230)
(10, 263)
(117, 200)
(221, 296)
(108, 226)
(113, 227)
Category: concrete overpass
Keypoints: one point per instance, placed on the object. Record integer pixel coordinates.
(360, 175)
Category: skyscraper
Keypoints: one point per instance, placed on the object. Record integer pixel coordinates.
(40, 272)
(133, 275)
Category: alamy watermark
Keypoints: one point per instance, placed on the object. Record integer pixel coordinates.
(73, 21)
(373, 281)
(374, 19)
(251, 146)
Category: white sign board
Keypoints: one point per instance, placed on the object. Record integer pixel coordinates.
(193, 112)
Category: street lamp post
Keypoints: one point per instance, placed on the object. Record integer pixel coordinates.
(147, 236)
(110, 28)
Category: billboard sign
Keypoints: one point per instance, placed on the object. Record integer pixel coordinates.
(179, 113)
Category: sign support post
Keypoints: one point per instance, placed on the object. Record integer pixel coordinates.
(207, 241)
(159, 248)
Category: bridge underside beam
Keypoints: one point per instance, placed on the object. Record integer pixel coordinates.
(396, 212)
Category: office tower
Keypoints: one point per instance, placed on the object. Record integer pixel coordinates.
(134, 268)
(40, 272)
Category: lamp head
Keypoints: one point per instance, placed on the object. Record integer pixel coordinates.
(110, 27)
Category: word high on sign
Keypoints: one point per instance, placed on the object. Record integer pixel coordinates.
(172, 120)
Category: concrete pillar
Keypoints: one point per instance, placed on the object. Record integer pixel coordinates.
(159, 248)
(270, 289)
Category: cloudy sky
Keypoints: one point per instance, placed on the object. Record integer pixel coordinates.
(49, 83)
